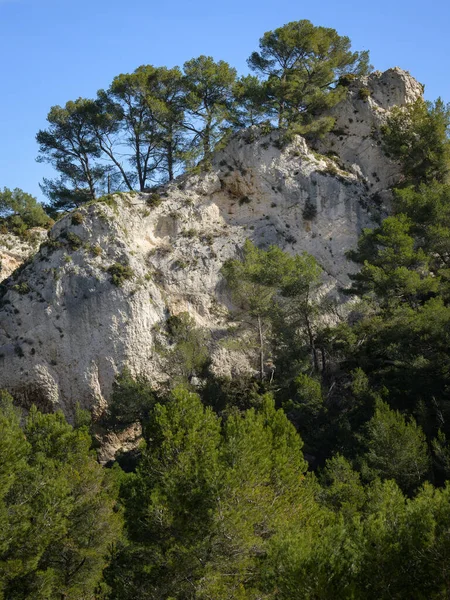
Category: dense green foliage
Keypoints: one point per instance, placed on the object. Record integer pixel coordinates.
(70, 147)
(20, 211)
(120, 273)
(303, 64)
(224, 510)
(417, 135)
(216, 508)
(150, 124)
(274, 293)
(57, 509)
(220, 506)
(204, 498)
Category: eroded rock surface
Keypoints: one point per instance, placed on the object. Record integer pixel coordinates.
(14, 250)
(67, 332)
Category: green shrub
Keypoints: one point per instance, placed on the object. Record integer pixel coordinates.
(131, 401)
(120, 273)
(109, 200)
(154, 200)
(95, 250)
(52, 244)
(331, 169)
(418, 135)
(21, 211)
(189, 353)
(180, 264)
(22, 288)
(16, 225)
(364, 93)
(77, 218)
(74, 240)
(208, 238)
(347, 79)
(244, 200)
(266, 127)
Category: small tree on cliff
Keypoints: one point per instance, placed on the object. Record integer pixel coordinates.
(21, 210)
(273, 292)
(418, 135)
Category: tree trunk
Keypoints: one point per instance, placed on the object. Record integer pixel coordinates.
(282, 103)
(84, 159)
(311, 344)
(280, 116)
(109, 153)
(261, 349)
(324, 360)
(141, 177)
(207, 141)
(170, 160)
(90, 183)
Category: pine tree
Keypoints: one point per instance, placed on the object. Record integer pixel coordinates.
(303, 64)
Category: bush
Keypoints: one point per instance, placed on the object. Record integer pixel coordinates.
(180, 264)
(96, 250)
(56, 501)
(22, 288)
(347, 79)
(109, 200)
(310, 211)
(396, 449)
(120, 273)
(74, 240)
(189, 353)
(364, 93)
(131, 401)
(77, 218)
(154, 200)
(190, 233)
(208, 238)
(52, 244)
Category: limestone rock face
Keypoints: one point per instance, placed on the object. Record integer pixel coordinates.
(356, 138)
(66, 334)
(14, 250)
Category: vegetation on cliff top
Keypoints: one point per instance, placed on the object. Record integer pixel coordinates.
(150, 124)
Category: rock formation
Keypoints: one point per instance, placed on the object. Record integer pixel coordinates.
(15, 250)
(67, 328)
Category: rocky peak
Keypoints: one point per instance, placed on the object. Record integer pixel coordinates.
(356, 137)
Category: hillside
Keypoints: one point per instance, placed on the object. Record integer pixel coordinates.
(67, 329)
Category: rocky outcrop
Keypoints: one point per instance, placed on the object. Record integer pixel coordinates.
(356, 137)
(15, 250)
(67, 328)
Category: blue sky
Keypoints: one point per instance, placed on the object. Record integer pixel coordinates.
(52, 51)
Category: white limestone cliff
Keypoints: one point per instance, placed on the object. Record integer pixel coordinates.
(66, 330)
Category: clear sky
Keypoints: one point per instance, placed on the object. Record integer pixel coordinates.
(52, 51)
